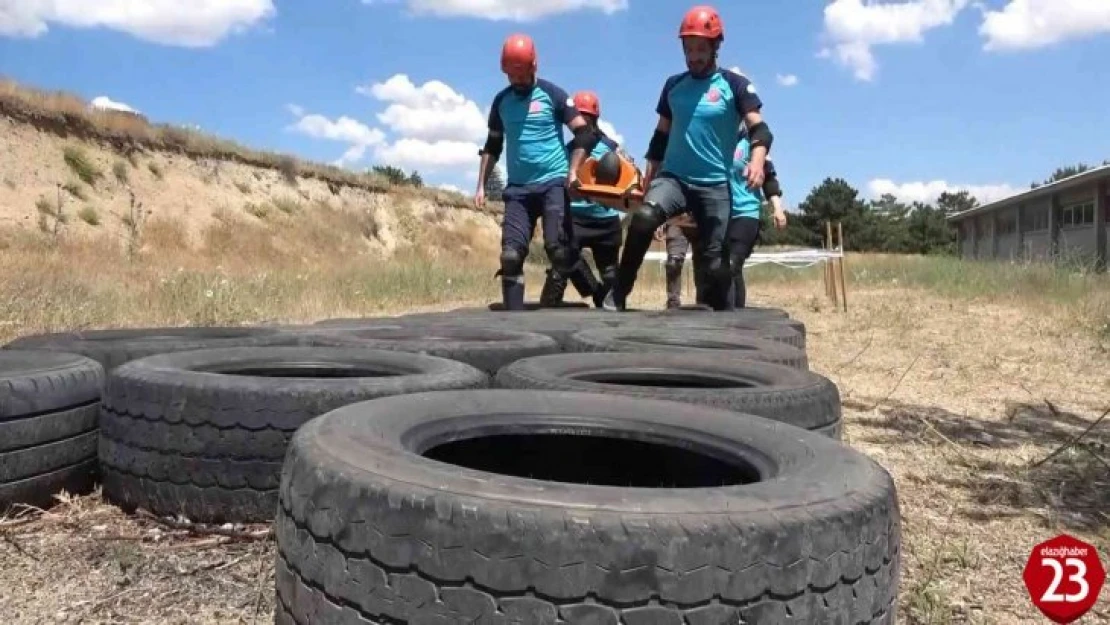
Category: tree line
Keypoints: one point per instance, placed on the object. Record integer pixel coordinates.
(878, 225)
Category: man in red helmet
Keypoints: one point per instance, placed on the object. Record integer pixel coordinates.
(596, 227)
(690, 157)
(530, 114)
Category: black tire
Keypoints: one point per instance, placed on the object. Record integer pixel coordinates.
(112, 348)
(486, 348)
(789, 331)
(498, 306)
(786, 394)
(48, 425)
(203, 433)
(559, 325)
(750, 311)
(379, 532)
(719, 342)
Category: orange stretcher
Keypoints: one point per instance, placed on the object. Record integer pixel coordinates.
(626, 195)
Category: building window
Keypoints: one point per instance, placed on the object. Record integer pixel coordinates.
(1034, 219)
(1077, 215)
(1007, 223)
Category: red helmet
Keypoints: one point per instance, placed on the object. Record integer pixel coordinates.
(702, 21)
(518, 53)
(587, 103)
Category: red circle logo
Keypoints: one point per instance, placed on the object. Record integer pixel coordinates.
(1064, 577)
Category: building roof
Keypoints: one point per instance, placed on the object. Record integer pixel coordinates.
(1070, 182)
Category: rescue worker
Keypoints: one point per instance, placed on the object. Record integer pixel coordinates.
(596, 227)
(526, 120)
(744, 224)
(690, 156)
(743, 232)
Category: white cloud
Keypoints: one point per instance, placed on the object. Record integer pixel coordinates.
(928, 192)
(853, 27)
(508, 10)
(408, 153)
(787, 80)
(357, 135)
(432, 111)
(1027, 24)
(610, 130)
(197, 23)
(429, 127)
(104, 102)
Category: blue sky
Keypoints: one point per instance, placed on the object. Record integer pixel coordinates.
(907, 97)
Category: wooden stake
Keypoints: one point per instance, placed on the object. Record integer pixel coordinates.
(828, 274)
(840, 265)
(832, 269)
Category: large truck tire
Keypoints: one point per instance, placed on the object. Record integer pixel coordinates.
(202, 434)
(789, 331)
(48, 425)
(450, 507)
(112, 348)
(487, 348)
(712, 343)
(787, 394)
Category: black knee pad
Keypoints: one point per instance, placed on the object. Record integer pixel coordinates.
(560, 257)
(674, 262)
(512, 263)
(646, 220)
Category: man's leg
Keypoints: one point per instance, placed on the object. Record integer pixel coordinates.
(711, 207)
(605, 244)
(677, 245)
(558, 228)
(664, 199)
(743, 232)
(698, 265)
(581, 276)
(554, 286)
(516, 233)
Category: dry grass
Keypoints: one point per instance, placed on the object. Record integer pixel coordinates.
(958, 419)
(67, 115)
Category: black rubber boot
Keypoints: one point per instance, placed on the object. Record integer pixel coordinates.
(512, 292)
(583, 279)
(554, 286)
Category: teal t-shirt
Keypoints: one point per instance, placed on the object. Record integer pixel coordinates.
(705, 115)
(533, 127)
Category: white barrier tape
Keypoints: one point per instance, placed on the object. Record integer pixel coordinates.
(796, 258)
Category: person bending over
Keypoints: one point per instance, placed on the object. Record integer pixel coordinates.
(526, 120)
(596, 227)
(690, 157)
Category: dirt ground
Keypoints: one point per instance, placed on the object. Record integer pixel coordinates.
(967, 426)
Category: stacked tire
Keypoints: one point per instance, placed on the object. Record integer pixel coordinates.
(48, 412)
(556, 465)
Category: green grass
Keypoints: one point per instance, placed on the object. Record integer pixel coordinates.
(953, 277)
(79, 162)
